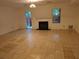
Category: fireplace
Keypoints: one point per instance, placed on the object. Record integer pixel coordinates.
(43, 25)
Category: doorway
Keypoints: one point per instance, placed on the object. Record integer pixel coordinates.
(28, 19)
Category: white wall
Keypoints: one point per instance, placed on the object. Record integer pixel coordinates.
(76, 22)
(12, 18)
(22, 17)
(44, 12)
(8, 19)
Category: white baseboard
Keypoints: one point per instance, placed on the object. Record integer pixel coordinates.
(2, 33)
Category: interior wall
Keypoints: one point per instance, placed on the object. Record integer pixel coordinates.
(22, 17)
(14, 18)
(77, 19)
(43, 12)
(8, 19)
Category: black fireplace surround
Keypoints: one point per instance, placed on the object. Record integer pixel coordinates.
(43, 25)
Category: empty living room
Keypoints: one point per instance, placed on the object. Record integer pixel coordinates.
(39, 29)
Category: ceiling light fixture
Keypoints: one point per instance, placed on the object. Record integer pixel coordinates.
(33, 1)
(32, 6)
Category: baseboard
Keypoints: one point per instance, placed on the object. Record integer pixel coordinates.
(8, 32)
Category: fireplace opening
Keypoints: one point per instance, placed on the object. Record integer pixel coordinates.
(43, 25)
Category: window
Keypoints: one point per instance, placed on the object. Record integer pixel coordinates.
(28, 20)
(56, 15)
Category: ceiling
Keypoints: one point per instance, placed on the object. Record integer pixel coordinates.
(23, 2)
